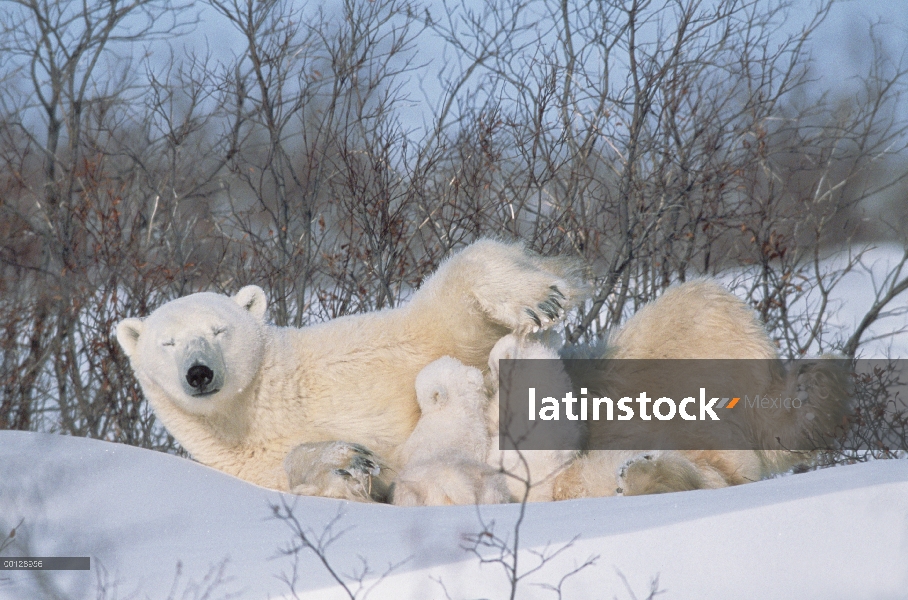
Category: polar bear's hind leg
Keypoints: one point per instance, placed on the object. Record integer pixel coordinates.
(508, 285)
(657, 473)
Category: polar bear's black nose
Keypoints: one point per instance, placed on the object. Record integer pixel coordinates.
(199, 376)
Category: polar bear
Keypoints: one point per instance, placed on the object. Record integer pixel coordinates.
(452, 401)
(325, 410)
(331, 403)
(544, 475)
(702, 320)
(444, 458)
(531, 474)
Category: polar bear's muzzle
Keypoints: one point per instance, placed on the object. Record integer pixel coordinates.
(203, 369)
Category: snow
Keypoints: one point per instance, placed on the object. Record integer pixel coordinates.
(836, 533)
(855, 287)
(855, 294)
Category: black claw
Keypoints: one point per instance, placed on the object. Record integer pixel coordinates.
(534, 316)
(557, 292)
(343, 473)
(548, 310)
(361, 463)
(555, 301)
(362, 449)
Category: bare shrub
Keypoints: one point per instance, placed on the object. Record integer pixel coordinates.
(658, 141)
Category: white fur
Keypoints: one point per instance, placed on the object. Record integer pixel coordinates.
(444, 457)
(531, 474)
(327, 409)
(338, 388)
(452, 401)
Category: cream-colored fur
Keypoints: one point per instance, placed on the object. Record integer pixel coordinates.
(448, 479)
(701, 320)
(531, 474)
(444, 457)
(452, 403)
(326, 409)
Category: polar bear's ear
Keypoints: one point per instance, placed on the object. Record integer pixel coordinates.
(252, 298)
(439, 396)
(128, 332)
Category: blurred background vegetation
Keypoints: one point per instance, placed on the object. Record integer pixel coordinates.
(337, 154)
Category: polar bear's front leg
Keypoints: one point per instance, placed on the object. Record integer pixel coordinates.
(337, 470)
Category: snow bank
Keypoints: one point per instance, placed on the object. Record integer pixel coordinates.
(838, 533)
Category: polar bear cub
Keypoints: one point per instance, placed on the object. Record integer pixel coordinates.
(444, 457)
(531, 474)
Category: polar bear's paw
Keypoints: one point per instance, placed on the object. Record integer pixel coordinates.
(548, 311)
(657, 473)
(337, 470)
(621, 477)
(530, 308)
(517, 288)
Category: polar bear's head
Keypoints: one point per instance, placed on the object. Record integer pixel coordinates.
(447, 381)
(200, 351)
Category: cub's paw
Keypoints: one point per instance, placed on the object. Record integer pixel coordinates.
(337, 470)
(657, 473)
(543, 345)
